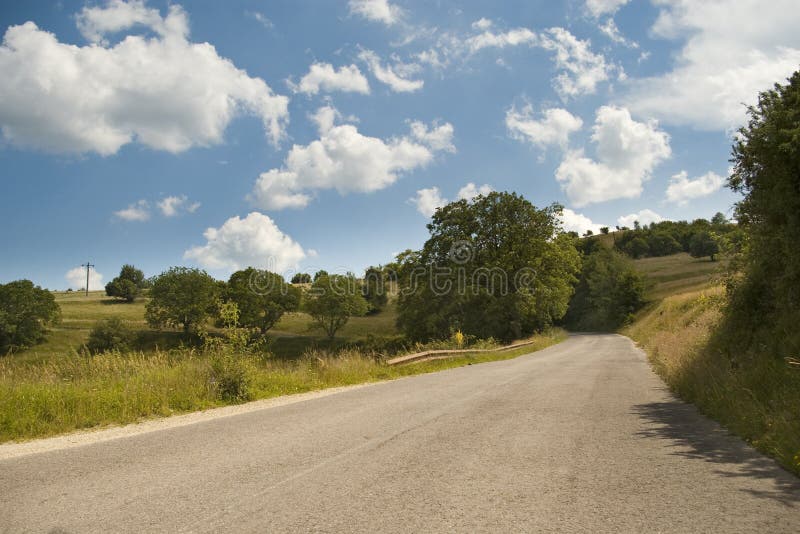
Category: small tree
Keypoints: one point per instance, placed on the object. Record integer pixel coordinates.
(262, 297)
(333, 300)
(110, 334)
(301, 278)
(374, 289)
(604, 230)
(703, 244)
(182, 297)
(127, 285)
(636, 248)
(25, 312)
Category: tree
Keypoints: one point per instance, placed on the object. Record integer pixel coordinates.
(333, 299)
(719, 219)
(636, 248)
(320, 273)
(127, 285)
(182, 297)
(608, 292)
(374, 289)
(703, 244)
(25, 312)
(110, 334)
(301, 278)
(262, 297)
(660, 243)
(604, 230)
(495, 267)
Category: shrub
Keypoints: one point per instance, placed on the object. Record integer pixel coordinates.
(230, 376)
(110, 334)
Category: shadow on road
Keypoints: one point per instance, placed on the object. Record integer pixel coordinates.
(695, 436)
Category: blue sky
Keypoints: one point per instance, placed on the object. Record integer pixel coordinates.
(303, 135)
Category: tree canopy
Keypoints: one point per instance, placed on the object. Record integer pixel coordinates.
(127, 285)
(262, 297)
(493, 267)
(333, 299)
(182, 297)
(25, 312)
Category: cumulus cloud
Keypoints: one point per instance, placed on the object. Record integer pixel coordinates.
(138, 211)
(76, 279)
(645, 216)
(597, 8)
(376, 10)
(348, 161)
(427, 200)
(581, 69)
(578, 222)
(681, 189)
(552, 129)
(322, 76)
(254, 241)
(609, 29)
(160, 90)
(395, 76)
(175, 205)
(732, 50)
(627, 152)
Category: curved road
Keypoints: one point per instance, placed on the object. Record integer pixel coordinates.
(579, 437)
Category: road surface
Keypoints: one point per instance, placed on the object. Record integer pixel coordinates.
(579, 437)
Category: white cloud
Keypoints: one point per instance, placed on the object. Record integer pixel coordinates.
(76, 279)
(395, 76)
(489, 39)
(254, 241)
(161, 91)
(261, 19)
(732, 51)
(645, 216)
(627, 152)
(322, 76)
(376, 10)
(348, 161)
(597, 8)
(610, 30)
(427, 200)
(681, 190)
(578, 222)
(581, 69)
(138, 211)
(553, 129)
(174, 205)
(470, 191)
(482, 24)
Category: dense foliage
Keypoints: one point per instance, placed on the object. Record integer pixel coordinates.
(182, 297)
(127, 285)
(110, 334)
(25, 312)
(301, 278)
(700, 238)
(375, 289)
(764, 306)
(333, 299)
(262, 297)
(495, 267)
(608, 293)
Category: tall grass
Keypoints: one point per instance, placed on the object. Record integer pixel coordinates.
(756, 398)
(75, 391)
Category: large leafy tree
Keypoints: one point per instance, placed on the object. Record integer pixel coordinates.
(262, 297)
(25, 312)
(493, 267)
(127, 285)
(766, 171)
(332, 300)
(182, 297)
(375, 289)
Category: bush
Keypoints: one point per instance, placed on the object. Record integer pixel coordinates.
(230, 376)
(110, 334)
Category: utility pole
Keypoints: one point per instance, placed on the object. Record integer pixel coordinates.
(88, 266)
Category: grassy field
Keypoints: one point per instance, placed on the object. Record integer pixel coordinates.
(71, 392)
(756, 400)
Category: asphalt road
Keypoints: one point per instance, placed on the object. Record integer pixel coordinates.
(579, 437)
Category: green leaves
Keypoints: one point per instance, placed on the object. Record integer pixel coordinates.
(25, 312)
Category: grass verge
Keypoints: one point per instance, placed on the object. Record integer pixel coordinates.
(44, 398)
(757, 399)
